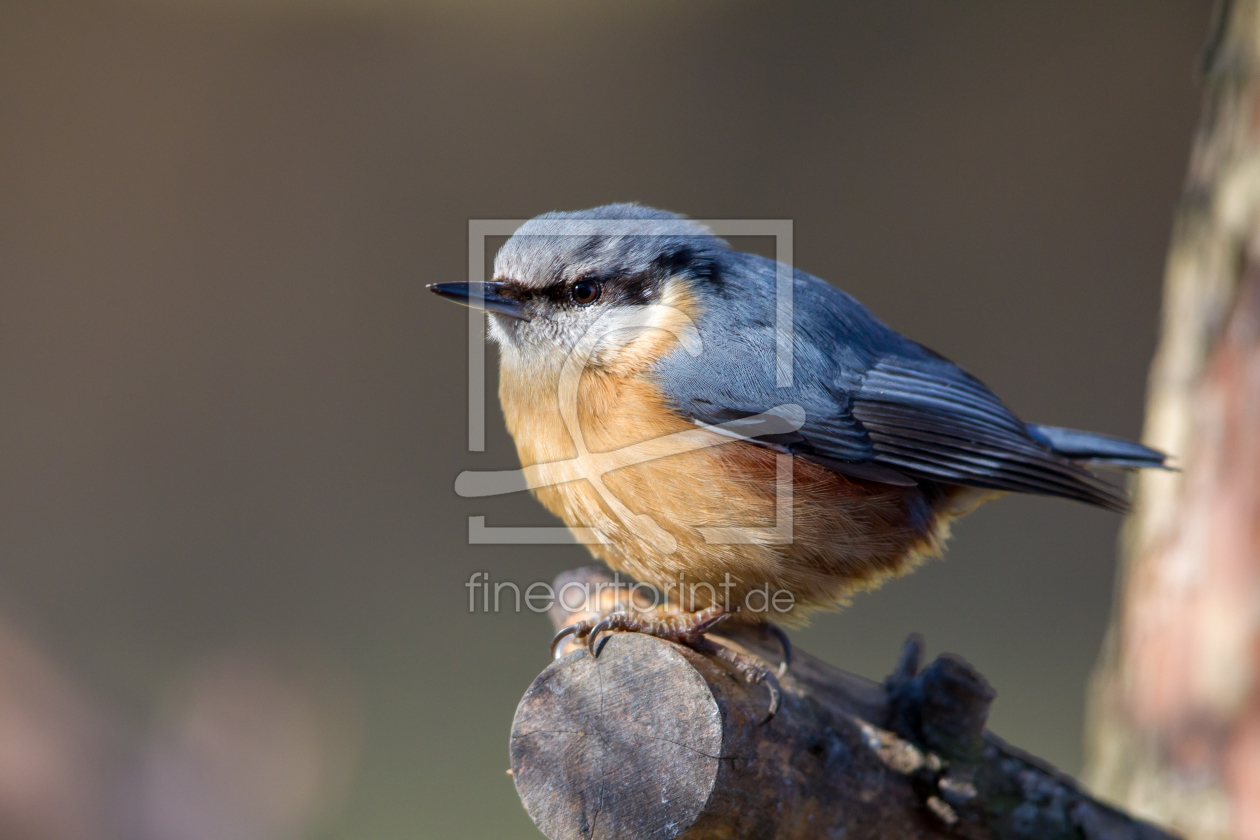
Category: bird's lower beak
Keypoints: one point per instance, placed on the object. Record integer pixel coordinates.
(480, 296)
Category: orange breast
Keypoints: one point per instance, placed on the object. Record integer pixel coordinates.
(666, 495)
(657, 516)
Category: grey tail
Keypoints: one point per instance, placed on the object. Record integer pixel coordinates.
(1098, 449)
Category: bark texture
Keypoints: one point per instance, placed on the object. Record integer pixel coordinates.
(653, 740)
(1174, 723)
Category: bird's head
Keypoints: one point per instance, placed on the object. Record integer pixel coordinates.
(606, 275)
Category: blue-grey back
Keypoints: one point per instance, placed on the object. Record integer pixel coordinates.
(877, 405)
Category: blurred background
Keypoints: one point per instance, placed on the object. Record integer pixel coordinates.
(232, 563)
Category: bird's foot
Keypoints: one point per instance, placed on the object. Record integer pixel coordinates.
(754, 671)
(684, 628)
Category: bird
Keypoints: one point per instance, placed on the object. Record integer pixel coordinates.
(663, 396)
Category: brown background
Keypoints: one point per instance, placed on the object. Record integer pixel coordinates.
(231, 417)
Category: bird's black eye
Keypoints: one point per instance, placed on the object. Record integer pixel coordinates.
(585, 291)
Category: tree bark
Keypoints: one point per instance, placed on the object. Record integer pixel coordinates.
(1174, 720)
(654, 740)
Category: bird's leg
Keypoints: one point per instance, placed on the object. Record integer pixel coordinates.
(671, 624)
(753, 671)
(684, 628)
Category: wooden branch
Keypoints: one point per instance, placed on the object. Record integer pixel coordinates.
(653, 740)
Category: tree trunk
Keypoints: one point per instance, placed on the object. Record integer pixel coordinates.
(1174, 719)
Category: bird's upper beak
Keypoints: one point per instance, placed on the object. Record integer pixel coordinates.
(486, 297)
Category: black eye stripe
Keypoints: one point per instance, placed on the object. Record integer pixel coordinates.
(636, 289)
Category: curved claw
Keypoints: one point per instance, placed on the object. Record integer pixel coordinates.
(709, 623)
(591, 640)
(754, 672)
(784, 642)
(776, 693)
(564, 633)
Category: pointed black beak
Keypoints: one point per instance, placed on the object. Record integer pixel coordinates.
(480, 296)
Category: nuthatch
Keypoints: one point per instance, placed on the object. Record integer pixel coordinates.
(666, 366)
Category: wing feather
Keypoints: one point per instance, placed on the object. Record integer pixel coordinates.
(954, 429)
(877, 406)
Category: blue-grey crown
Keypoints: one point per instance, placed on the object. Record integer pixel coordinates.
(613, 241)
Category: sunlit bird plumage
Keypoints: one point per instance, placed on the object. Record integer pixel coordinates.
(676, 332)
